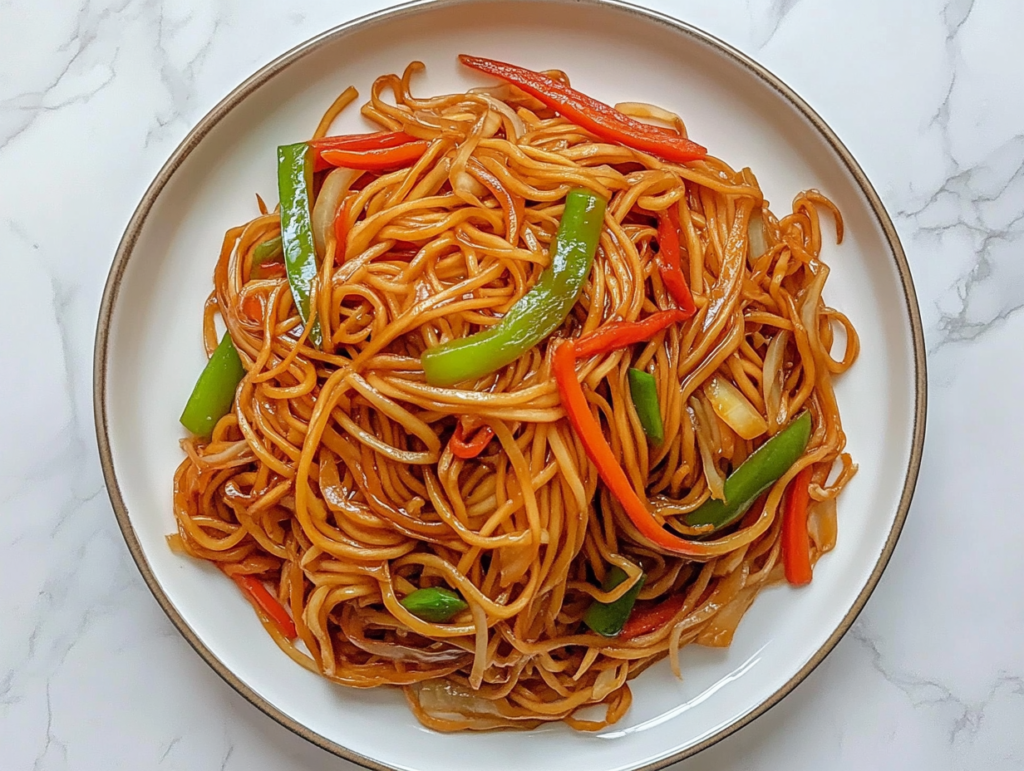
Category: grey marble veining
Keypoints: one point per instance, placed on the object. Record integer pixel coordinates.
(94, 94)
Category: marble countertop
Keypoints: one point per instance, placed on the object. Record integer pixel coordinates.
(94, 95)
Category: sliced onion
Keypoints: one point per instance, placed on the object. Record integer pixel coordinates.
(734, 408)
(822, 524)
(773, 380)
(460, 115)
(518, 127)
(395, 652)
(506, 92)
(334, 188)
(606, 682)
(728, 563)
(463, 184)
(232, 454)
(500, 92)
(755, 231)
(476, 675)
(720, 630)
(651, 113)
(492, 124)
(516, 561)
(443, 697)
(705, 443)
(445, 700)
(809, 307)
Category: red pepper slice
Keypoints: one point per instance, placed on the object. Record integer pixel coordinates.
(589, 430)
(257, 594)
(469, 448)
(619, 334)
(597, 117)
(379, 140)
(647, 619)
(375, 160)
(668, 259)
(796, 543)
(253, 307)
(376, 140)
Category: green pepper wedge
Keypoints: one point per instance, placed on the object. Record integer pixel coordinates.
(434, 604)
(608, 618)
(757, 473)
(214, 392)
(539, 312)
(644, 389)
(295, 188)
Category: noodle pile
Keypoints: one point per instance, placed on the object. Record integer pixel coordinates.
(332, 480)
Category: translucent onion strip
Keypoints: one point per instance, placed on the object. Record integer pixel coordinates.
(335, 186)
(734, 408)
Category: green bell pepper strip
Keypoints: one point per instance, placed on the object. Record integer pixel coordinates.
(644, 390)
(295, 188)
(214, 392)
(434, 604)
(608, 618)
(757, 473)
(267, 251)
(539, 312)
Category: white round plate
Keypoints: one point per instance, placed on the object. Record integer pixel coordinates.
(149, 351)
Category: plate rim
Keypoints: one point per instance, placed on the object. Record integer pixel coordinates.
(238, 94)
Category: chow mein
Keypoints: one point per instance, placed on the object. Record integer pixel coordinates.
(516, 396)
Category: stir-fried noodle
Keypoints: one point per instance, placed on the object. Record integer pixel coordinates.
(340, 481)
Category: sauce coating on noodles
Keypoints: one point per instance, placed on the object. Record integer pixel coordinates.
(451, 539)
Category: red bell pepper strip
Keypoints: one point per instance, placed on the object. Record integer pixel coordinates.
(796, 543)
(257, 594)
(252, 307)
(469, 448)
(589, 430)
(356, 143)
(647, 619)
(619, 334)
(376, 140)
(376, 160)
(606, 122)
(668, 259)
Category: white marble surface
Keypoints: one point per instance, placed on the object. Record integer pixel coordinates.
(94, 94)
